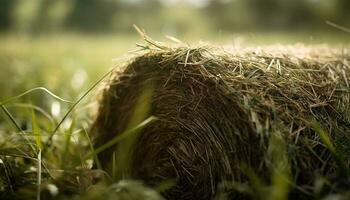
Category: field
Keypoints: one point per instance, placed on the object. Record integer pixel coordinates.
(52, 61)
(62, 74)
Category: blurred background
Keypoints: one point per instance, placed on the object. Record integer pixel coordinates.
(172, 17)
(66, 45)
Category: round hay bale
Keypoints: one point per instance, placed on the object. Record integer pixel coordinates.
(224, 118)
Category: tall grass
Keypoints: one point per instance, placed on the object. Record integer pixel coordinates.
(57, 163)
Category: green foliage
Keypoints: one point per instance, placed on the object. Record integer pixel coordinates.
(6, 9)
(91, 15)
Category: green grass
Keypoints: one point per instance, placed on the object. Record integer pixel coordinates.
(42, 150)
(44, 141)
(53, 61)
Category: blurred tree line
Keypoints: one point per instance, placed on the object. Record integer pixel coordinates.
(281, 14)
(175, 16)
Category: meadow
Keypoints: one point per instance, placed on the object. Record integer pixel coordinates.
(48, 87)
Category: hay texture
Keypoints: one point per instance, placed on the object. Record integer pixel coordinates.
(226, 117)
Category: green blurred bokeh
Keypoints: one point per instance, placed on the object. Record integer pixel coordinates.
(65, 45)
(175, 17)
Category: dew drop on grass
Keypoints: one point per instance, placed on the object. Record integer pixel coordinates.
(52, 189)
(55, 108)
(32, 169)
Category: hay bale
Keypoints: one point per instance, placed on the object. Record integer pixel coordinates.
(224, 115)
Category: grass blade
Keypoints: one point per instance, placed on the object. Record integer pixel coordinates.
(334, 25)
(36, 131)
(35, 108)
(32, 90)
(98, 163)
(67, 139)
(323, 136)
(8, 114)
(122, 136)
(48, 143)
(39, 176)
(339, 159)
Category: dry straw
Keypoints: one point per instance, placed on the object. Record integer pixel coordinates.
(230, 123)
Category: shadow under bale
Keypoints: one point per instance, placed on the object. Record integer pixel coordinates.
(226, 118)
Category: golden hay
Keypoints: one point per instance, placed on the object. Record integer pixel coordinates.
(224, 118)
